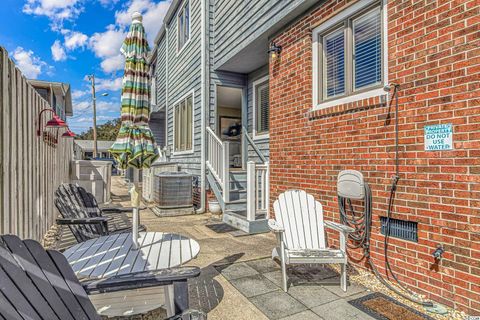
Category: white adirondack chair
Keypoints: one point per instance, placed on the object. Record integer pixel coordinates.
(299, 227)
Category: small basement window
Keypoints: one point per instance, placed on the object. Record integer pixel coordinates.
(401, 229)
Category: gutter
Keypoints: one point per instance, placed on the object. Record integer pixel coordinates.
(203, 89)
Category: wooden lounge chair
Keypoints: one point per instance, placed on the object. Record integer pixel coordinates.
(80, 211)
(40, 284)
(299, 227)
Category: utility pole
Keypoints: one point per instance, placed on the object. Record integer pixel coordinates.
(92, 79)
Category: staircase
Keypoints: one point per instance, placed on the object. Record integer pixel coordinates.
(241, 193)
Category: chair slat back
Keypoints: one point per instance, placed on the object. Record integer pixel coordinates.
(38, 284)
(79, 198)
(302, 218)
(81, 232)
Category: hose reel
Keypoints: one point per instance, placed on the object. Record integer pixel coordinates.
(352, 186)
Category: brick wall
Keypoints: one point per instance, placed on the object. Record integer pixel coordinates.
(434, 54)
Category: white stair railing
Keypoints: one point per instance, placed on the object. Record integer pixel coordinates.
(258, 190)
(218, 161)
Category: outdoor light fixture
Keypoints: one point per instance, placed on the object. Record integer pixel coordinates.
(274, 50)
(68, 134)
(55, 122)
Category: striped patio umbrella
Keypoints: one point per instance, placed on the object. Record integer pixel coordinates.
(135, 145)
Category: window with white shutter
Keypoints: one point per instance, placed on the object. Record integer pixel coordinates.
(349, 55)
(261, 108)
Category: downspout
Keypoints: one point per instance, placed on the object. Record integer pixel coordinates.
(203, 103)
(167, 29)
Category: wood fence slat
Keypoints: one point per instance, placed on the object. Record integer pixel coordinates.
(12, 151)
(30, 169)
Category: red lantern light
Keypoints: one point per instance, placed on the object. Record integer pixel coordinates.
(55, 122)
(68, 134)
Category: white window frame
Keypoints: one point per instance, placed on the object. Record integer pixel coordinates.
(180, 12)
(317, 51)
(255, 84)
(184, 97)
(153, 91)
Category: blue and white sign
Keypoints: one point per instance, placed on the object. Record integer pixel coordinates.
(438, 137)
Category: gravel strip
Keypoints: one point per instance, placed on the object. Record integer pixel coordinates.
(368, 279)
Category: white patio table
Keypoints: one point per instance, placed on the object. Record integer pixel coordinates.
(115, 254)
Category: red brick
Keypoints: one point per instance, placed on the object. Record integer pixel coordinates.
(433, 56)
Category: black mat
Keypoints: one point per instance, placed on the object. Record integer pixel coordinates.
(221, 227)
(382, 307)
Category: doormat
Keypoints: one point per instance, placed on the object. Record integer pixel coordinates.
(382, 307)
(221, 227)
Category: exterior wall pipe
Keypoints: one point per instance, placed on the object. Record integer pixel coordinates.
(203, 89)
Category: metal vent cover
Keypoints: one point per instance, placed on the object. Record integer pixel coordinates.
(401, 229)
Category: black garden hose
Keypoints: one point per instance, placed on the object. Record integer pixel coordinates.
(362, 222)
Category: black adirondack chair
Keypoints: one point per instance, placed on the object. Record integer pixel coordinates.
(85, 219)
(40, 284)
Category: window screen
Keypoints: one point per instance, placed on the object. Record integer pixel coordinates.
(335, 63)
(367, 49)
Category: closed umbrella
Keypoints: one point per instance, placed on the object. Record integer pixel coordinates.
(135, 146)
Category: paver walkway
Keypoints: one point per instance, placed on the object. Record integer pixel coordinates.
(239, 281)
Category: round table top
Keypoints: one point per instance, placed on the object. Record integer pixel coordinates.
(114, 255)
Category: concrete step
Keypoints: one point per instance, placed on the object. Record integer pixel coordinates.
(238, 194)
(239, 221)
(236, 205)
(238, 175)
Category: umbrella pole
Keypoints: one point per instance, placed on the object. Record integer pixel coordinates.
(135, 204)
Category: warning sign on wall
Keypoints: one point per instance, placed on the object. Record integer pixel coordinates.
(438, 137)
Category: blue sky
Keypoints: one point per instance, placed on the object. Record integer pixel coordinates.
(64, 40)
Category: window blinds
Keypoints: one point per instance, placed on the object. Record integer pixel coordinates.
(334, 44)
(367, 49)
(263, 108)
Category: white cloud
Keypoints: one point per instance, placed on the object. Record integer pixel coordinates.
(56, 10)
(107, 3)
(107, 44)
(77, 94)
(30, 65)
(58, 52)
(80, 106)
(75, 39)
(112, 64)
(108, 84)
(153, 14)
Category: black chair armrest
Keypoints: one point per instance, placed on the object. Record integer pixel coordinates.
(142, 279)
(92, 220)
(109, 210)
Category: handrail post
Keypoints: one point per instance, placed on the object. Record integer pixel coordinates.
(251, 192)
(267, 190)
(244, 148)
(226, 171)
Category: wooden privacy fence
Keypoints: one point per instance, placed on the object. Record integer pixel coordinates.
(31, 169)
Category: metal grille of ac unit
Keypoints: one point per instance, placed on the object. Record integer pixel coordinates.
(173, 190)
